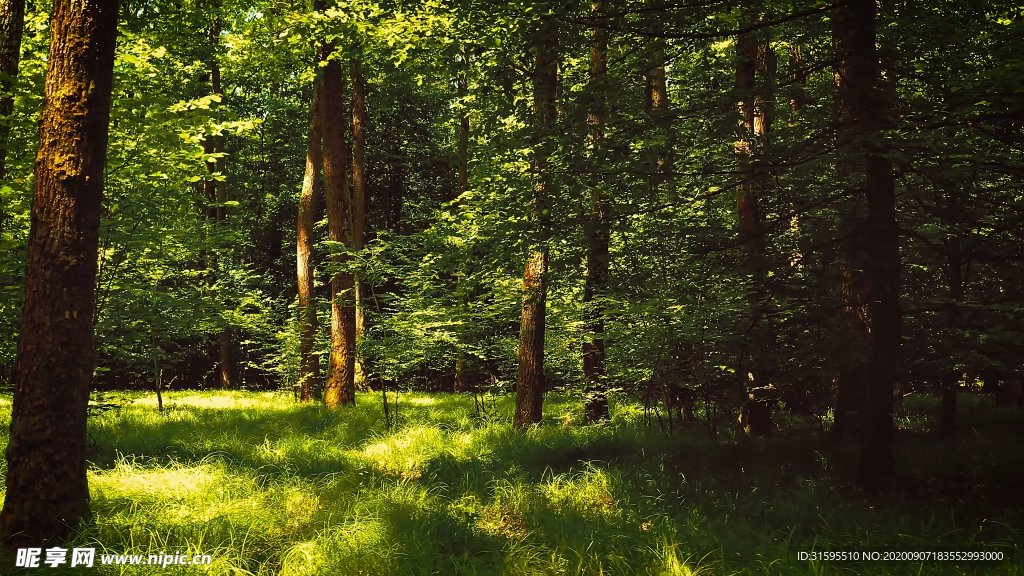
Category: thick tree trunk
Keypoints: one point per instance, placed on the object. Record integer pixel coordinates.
(358, 202)
(340, 385)
(597, 231)
(47, 490)
(854, 33)
(530, 385)
(12, 23)
(309, 364)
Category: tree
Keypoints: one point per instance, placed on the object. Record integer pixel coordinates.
(47, 490)
(340, 385)
(530, 384)
(309, 376)
(358, 201)
(878, 238)
(12, 22)
(597, 232)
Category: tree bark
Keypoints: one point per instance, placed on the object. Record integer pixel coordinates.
(756, 105)
(358, 203)
(597, 232)
(217, 192)
(462, 382)
(12, 24)
(955, 279)
(309, 364)
(657, 115)
(530, 384)
(47, 490)
(854, 33)
(340, 385)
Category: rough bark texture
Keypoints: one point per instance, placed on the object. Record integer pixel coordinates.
(597, 233)
(309, 375)
(530, 384)
(47, 491)
(340, 385)
(358, 200)
(854, 34)
(12, 23)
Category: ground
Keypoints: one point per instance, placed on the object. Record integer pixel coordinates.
(266, 485)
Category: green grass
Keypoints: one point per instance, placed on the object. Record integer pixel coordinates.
(270, 486)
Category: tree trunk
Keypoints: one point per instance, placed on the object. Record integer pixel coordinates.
(12, 23)
(216, 191)
(756, 104)
(955, 278)
(530, 384)
(309, 370)
(462, 382)
(854, 34)
(358, 203)
(47, 490)
(340, 385)
(597, 231)
(657, 114)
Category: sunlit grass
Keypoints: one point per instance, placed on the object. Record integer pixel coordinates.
(270, 486)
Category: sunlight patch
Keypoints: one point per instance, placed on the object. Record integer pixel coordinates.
(128, 479)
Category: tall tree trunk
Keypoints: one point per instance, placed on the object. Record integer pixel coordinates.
(358, 203)
(216, 191)
(462, 380)
(955, 279)
(530, 384)
(657, 115)
(309, 375)
(47, 490)
(340, 385)
(12, 23)
(597, 231)
(756, 104)
(854, 33)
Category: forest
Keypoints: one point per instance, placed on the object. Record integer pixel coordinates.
(396, 287)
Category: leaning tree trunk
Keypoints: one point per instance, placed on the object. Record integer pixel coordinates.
(358, 203)
(530, 384)
(309, 364)
(854, 33)
(597, 235)
(340, 385)
(47, 490)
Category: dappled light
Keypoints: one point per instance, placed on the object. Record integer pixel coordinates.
(286, 488)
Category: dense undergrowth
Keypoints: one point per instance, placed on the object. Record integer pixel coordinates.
(270, 486)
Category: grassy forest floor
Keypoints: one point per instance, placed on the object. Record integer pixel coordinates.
(270, 486)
